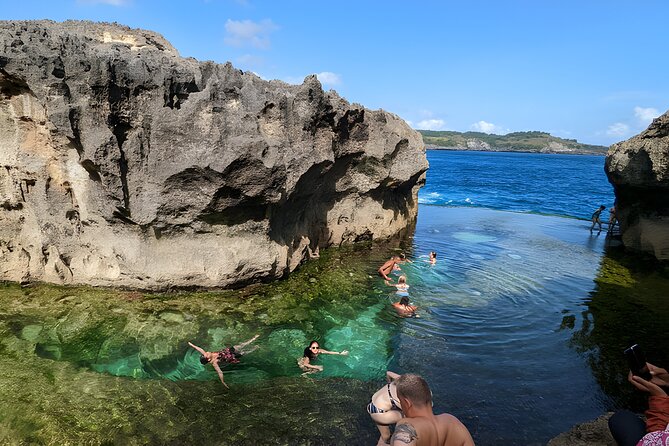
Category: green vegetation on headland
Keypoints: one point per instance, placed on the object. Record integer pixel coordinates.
(539, 142)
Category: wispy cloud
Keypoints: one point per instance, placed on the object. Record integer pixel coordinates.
(431, 124)
(618, 130)
(486, 127)
(246, 33)
(104, 2)
(328, 78)
(645, 115)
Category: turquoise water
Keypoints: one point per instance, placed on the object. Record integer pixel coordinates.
(521, 323)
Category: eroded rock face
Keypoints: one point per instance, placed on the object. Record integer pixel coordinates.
(123, 164)
(639, 171)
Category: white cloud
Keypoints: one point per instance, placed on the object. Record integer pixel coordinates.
(249, 33)
(104, 2)
(328, 78)
(646, 115)
(486, 127)
(618, 129)
(431, 124)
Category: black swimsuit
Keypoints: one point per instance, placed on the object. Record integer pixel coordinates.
(393, 406)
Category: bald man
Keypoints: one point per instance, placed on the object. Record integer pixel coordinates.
(421, 427)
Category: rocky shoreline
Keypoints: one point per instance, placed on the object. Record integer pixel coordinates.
(127, 165)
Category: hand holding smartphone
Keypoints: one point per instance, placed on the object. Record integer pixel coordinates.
(636, 358)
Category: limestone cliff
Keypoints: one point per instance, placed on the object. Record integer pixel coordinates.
(639, 171)
(125, 164)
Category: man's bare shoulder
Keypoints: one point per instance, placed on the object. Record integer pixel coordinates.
(457, 433)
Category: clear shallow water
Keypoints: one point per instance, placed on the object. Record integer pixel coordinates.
(522, 322)
(491, 339)
(567, 185)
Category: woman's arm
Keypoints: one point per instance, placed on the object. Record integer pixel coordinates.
(220, 373)
(306, 363)
(202, 352)
(327, 352)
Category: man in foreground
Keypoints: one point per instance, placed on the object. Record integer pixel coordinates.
(421, 427)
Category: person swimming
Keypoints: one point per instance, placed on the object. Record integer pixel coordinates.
(228, 355)
(310, 354)
(401, 285)
(404, 308)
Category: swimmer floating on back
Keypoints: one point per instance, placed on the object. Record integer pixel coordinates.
(230, 355)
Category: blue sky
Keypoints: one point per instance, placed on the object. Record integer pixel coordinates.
(590, 70)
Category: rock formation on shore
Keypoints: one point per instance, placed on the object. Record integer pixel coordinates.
(125, 164)
(638, 169)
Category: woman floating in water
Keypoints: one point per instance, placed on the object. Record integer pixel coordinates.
(230, 355)
(404, 308)
(310, 354)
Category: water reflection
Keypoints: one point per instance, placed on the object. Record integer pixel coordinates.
(627, 306)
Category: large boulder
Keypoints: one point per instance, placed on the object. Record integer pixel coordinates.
(638, 169)
(124, 164)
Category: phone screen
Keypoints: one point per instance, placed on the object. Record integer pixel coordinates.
(636, 359)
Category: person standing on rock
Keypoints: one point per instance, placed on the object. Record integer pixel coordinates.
(596, 218)
(385, 408)
(230, 355)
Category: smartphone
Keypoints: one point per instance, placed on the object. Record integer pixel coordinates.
(636, 359)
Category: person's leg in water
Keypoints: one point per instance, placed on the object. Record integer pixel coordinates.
(383, 422)
(240, 348)
(627, 428)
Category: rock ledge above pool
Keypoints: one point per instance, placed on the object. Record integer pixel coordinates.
(125, 164)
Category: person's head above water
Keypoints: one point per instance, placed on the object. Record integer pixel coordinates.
(404, 301)
(414, 389)
(312, 351)
(402, 279)
(204, 360)
(602, 207)
(433, 254)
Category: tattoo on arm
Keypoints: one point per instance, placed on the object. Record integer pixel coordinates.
(404, 434)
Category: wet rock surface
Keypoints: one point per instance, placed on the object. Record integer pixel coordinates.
(638, 169)
(125, 164)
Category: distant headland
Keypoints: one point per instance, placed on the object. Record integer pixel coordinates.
(536, 142)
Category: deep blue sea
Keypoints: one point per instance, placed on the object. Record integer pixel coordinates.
(564, 185)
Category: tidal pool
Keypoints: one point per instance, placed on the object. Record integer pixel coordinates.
(521, 326)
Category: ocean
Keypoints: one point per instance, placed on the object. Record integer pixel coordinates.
(548, 184)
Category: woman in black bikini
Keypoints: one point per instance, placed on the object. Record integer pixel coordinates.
(385, 407)
(230, 355)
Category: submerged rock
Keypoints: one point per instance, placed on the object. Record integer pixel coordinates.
(638, 169)
(125, 164)
(591, 433)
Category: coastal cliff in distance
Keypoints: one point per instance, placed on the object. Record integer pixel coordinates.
(638, 169)
(124, 164)
(533, 142)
